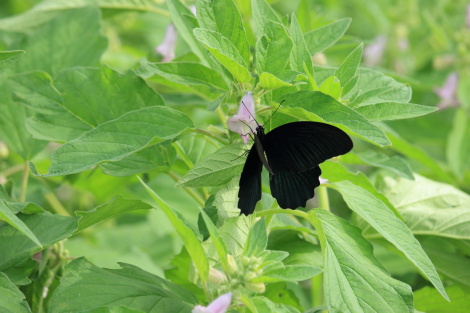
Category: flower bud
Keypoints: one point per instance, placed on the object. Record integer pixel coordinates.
(232, 266)
(4, 152)
(256, 287)
(215, 276)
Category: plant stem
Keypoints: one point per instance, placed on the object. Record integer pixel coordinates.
(12, 170)
(24, 182)
(191, 192)
(323, 197)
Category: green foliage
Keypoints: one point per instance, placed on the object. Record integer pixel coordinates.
(95, 132)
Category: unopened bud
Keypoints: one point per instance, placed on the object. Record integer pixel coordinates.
(232, 266)
(256, 287)
(249, 276)
(215, 276)
(4, 152)
(319, 58)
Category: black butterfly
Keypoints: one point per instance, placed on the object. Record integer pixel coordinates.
(291, 153)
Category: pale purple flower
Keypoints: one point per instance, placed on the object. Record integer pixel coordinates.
(167, 47)
(243, 122)
(373, 52)
(467, 15)
(448, 92)
(219, 305)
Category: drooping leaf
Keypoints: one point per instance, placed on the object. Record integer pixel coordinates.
(7, 216)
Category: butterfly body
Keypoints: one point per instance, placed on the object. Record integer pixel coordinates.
(291, 153)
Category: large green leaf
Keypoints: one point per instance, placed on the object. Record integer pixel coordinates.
(7, 58)
(117, 139)
(12, 299)
(187, 235)
(85, 287)
(348, 68)
(48, 228)
(300, 56)
(63, 42)
(225, 52)
(263, 13)
(324, 37)
(427, 300)
(378, 215)
(386, 111)
(216, 169)
(189, 73)
(257, 239)
(352, 271)
(7, 216)
(113, 208)
(394, 163)
(222, 16)
(430, 207)
(325, 108)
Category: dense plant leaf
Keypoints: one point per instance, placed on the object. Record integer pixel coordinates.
(63, 42)
(386, 111)
(190, 240)
(458, 144)
(427, 300)
(7, 215)
(225, 52)
(189, 73)
(348, 68)
(263, 14)
(7, 58)
(12, 299)
(128, 286)
(117, 139)
(216, 169)
(324, 37)
(329, 110)
(430, 207)
(222, 16)
(394, 163)
(269, 81)
(300, 56)
(352, 271)
(377, 214)
(257, 239)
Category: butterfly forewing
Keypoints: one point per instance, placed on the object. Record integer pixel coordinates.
(250, 183)
(292, 189)
(300, 146)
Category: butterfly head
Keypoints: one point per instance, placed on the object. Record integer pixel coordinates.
(260, 130)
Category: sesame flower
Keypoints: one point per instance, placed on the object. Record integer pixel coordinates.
(448, 92)
(244, 119)
(167, 47)
(373, 52)
(219, 305)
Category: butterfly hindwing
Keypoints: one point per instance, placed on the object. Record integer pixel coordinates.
(292, 189)
(300, 146)
(250, 183)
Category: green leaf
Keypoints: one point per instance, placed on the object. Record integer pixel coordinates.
(348, 68)
(7, 215)
(61, 43)
(427, 300)
(185, 23)
(7, 58)
(113, 208)
(387, 111)
(352, 271)
(289, 273)
(394, 163)
(324, 37)
(225, 52)
(257, 239)
(12, 299)
(48, 228)
(159, 157)
(325, 108)
(263, 13)
(458, 144)
(350, 85)
(217, 240)
(359, 97)
(300, 56)
(12, 125)
(189, 238)
(273, 49)
(129, 286)
(377, 214)
(417, 154)
(235, 232)
(269, 81)
(430, 207)
(263, 304)
(216, 169)
(331, 87)
(117, 139)
(335, 172)
(222, 16)
(189, 73)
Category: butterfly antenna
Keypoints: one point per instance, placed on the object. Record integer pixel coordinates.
(274, 112)
(250, 115)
